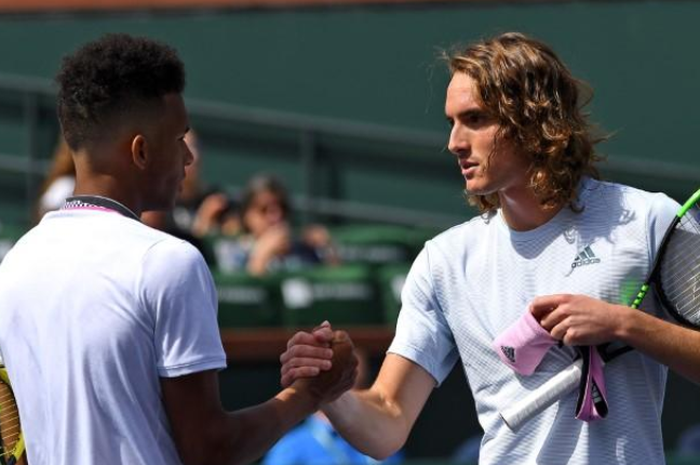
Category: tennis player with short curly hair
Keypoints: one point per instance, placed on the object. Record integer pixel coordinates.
(108, 327)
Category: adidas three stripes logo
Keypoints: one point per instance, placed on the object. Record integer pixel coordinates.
(585, 257)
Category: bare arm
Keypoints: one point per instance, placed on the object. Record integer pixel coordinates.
(378, 421)
(207, 434)
(582, 320)
(675, 346)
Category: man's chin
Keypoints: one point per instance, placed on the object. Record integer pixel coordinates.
(474, 190)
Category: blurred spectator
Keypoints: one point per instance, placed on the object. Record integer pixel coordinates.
(267, 242)
(200, 210)
(688, 444)
(59, 182)
(467, 453)
(315, 442)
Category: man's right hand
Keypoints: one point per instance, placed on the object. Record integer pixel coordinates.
(322, 362)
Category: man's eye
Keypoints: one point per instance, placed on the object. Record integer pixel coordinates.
(475, 119)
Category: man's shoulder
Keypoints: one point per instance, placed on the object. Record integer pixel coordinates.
(474, 227)
(169, 249)
(609, 195)
(112, 234)
(599, 188)
(141, 238)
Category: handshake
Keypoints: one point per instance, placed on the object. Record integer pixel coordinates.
(321, 362)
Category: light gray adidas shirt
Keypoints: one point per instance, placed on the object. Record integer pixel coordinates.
(473, 281)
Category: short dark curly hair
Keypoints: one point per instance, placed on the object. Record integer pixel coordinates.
(108, 79)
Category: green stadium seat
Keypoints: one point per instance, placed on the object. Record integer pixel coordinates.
(678, 459)
(225, 252)
(343, 295)
(247, 301)
(391, 279)
(378, 244)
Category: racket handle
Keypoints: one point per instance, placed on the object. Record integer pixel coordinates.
(536, 401)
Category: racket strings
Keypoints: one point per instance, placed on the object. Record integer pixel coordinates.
(680, 268)
(10, 428)
(682, 289)
(8, 453)
(684, 270)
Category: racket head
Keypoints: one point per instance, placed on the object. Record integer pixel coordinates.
(11, 437)
(676, 277)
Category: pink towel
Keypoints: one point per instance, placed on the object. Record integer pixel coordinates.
(592, 401)
(523, 345)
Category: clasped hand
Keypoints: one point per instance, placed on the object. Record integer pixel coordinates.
(322, 361)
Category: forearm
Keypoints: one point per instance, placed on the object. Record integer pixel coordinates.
(368, 421)
(376, 421)
(581, 320)
(205, 434)
(675, 346)
(245, 435)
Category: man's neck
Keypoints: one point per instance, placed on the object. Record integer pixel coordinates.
(107, 186)
(525, 212)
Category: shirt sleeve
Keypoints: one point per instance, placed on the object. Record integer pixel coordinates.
(662, 212)
(422, 333)
(180, 295)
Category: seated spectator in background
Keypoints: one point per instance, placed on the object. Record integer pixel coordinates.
(688, 444)
(200, 210)
(315, 442)
(267, 242)
(59, 182)
(467, 453)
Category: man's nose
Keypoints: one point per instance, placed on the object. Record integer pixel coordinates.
(458, 142)
(189, 156)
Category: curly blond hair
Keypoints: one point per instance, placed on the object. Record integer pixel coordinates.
(537, 102)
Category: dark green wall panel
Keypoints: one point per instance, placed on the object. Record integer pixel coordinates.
(378, 64)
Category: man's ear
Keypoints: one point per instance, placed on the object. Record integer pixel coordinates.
(139, 151)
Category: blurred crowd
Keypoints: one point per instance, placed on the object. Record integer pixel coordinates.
(257, 223)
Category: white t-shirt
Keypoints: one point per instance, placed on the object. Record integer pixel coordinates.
(95, 308)
(473, 281)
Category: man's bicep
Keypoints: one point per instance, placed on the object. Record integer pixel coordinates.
(193, 406)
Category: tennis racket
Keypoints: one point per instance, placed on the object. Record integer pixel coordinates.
(675, 276)
(11, 438)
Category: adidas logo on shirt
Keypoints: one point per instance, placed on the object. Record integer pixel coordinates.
(585, 257)
(509, 352)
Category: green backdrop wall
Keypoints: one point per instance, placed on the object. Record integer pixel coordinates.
(378, 65)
